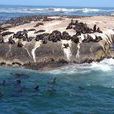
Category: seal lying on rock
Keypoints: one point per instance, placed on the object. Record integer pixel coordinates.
(38, 24)
(1, 39)
(47, 19)
(66, 36)
(55, 36)
(31, 30)
(91, 38)
(21, 35)
(7, 33)
(19, 44)
(44, 36)
(11, 41)
(66, 45)
(81, 27)
(39, 31)
(95, 29)
(75, 39)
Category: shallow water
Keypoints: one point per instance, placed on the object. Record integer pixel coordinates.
(79, 89)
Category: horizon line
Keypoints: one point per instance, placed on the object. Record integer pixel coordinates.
(54, 6)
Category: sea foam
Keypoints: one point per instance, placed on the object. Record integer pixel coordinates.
(106, 65)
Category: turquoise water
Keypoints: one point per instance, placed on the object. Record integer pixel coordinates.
(79, 89)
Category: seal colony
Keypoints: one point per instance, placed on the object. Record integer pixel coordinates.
(41, 42)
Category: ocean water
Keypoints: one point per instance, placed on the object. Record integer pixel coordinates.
(7, 12)
(79, 89)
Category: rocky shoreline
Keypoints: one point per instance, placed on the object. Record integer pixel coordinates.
(41, 42)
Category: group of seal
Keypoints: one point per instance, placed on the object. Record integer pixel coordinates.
(81, 27)
(55, 36)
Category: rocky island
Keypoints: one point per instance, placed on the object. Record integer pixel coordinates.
(44, 42)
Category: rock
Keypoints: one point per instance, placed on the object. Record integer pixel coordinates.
(23, 20)
(5, 26)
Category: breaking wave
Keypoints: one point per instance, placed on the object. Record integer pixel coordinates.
(8, 12)
(106, 65)
(52, 10)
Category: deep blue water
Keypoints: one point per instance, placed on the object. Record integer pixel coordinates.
(79, 89)
(7, 12)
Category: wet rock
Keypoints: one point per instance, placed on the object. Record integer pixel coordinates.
(23, 20)
(16, 64)
(2, 63)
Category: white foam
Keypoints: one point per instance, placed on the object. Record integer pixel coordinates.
(106, 65)
(51, 9)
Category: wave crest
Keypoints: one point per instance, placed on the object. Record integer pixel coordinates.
(106, 65)
(54, 10)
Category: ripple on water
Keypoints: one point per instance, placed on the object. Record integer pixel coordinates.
(79, 89)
